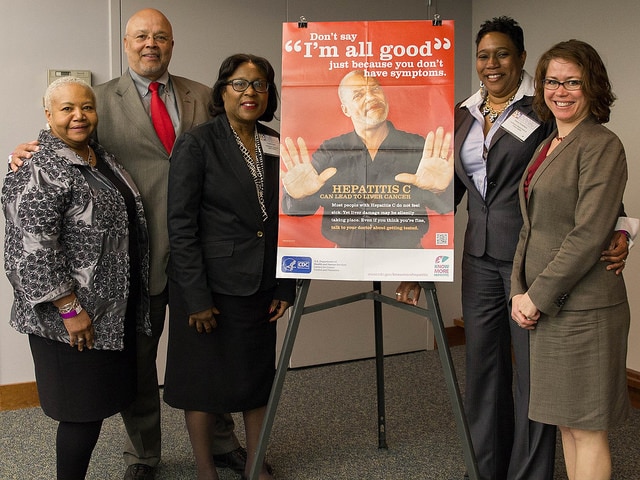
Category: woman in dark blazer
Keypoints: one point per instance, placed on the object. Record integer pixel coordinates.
(223, 225)
(489, 161)
(507, 444)
(576, 311)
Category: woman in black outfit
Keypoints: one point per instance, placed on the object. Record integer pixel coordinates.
(223, 227)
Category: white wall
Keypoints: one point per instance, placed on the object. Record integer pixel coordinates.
(77, 34)
(612, 29)
(36, 36)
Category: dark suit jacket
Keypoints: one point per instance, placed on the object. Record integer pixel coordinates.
(219, 241)
(495, 221)
(125, 130)
(574, 200)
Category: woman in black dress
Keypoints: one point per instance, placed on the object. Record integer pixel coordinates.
(224, 295)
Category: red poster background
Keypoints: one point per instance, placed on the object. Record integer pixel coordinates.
(311, 71)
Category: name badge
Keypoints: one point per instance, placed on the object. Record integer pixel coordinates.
(270, 145)
(520, 125)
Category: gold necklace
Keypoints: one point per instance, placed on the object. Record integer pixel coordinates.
(487, 110)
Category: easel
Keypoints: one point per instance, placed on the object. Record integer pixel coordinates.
(444, 353)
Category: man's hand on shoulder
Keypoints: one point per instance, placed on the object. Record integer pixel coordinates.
(22, 152)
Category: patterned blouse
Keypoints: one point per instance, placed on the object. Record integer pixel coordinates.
(66, 231)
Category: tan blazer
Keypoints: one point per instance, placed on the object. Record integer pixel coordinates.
(574, 200)
(125, 130)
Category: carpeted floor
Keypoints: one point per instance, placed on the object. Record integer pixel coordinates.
(325, 429)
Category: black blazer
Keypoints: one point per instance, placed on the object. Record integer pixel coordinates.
(495, 221)
(219, 242)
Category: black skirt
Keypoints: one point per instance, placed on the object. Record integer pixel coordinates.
(93, 384)
(83, 386)
(228, 370)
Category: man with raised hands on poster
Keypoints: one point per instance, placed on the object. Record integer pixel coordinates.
(398, 176)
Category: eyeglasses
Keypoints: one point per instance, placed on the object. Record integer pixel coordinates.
(240, 85)
(143, 37)
(551, 84)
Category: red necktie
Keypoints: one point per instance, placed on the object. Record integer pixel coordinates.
(161, 119)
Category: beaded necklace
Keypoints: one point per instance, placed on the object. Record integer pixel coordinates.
(90, 160)
(255, 168)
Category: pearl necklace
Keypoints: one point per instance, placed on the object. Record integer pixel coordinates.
(487, 110)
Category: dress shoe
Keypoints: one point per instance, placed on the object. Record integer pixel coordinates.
(140, 471)
(235, 460)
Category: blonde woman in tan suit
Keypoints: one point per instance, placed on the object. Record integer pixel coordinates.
(577, 311)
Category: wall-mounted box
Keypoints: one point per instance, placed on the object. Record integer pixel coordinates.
(55, 74)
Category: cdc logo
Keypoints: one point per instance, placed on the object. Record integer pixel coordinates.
(296, 264)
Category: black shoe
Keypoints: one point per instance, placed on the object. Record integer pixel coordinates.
(140, 471)
(236, 460)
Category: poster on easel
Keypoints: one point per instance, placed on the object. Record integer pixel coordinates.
(366, 146)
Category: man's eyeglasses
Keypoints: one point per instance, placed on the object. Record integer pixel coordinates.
(551, 84)
(143, 37)
(240, 85)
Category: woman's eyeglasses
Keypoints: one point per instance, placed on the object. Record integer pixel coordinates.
(240, 85)
(551, 84)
